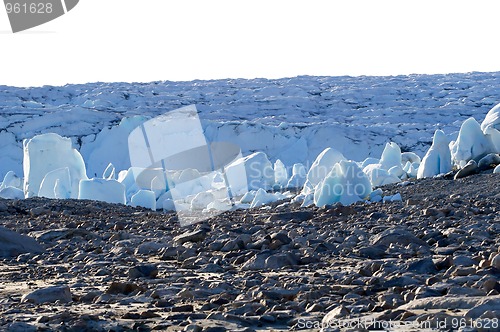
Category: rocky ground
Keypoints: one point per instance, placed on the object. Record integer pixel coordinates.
(428, 261)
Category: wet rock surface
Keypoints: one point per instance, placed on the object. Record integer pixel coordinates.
(432, 257)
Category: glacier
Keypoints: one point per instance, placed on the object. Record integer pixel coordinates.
(294, 118)
(96, 163)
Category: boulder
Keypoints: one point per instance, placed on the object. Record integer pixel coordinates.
(469, 169)
(49, 295)
(488, 161)
(195, 236)
(12, 244)
(396, 235)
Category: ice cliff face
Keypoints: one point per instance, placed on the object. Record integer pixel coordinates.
(289, 119)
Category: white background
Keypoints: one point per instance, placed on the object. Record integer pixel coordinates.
(146, 40)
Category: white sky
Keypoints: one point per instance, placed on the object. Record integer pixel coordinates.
(147, 40)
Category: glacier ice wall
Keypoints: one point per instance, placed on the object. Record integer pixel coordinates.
(355, 115)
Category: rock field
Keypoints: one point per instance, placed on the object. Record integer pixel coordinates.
(431, 259)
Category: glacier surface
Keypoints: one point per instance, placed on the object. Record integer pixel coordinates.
(294, 119)
(315, 129)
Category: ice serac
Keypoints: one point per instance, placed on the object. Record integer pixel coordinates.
(60, 177)
(10, 180)
(369, 161)
(105, 190)
(321, 167)
(262, 197)
(48, 152)
(391, 156)
(438, 159)
(127, 178)
(10, 154)
(202, 200)
(493, 136)
(491, 128)
(410, 157)
(379, 176)
(492, 119)
(259, 173)
(346, 183)
(280, 174)
(144, 198)
(470, 144)
(298, 178)
(389, 168)
(108, 147)
(11, 193)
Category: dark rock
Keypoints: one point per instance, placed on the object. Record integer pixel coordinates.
(20, 327)
(143, 271)
(282, 237)
(183, 308)
(131, 315)
(488, 161)
(194, 236)
(212, 268)
(257, 262)
(372, 252)
(12, 244)
(292, 216)
(232, 245)
(279, 261)
(266, 241)
(122, 288)
(280, 294)
(444, 263)
(423, 291)
(169, 253)
(90, 296)
(52, 235)
(396, 236)
(400, 282)
(215, 329)
(469, 169)
(462, 260)
(423, 266)
(377, 215)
